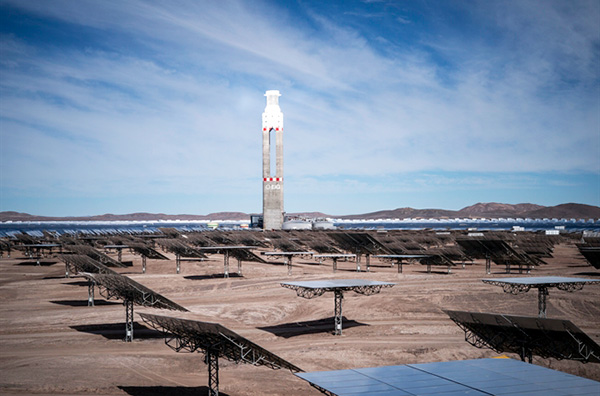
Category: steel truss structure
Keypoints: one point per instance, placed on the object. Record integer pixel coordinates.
(76, 263)
(116, 286)
(527, 336)
(288, 256)
(119, 249)
(38, 250)
(543, 283)
(334, 257)
(137, 248)
(359, 243)
(399, 259)
(214, 341)
(239, 252)
(94, 254)
(500, 252)
(146, 252)
(312, 289)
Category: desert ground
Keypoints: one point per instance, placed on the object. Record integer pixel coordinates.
(52, 343)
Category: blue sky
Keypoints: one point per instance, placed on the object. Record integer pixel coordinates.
(154, 106)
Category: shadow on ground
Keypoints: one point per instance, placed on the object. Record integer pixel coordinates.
(167, 391)
(596, 274)
(34, 263)
(84, 303)
(212, 276)
(294, 329)
(77, 283)
(116, 331)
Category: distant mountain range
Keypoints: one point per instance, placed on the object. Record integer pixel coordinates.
(480, 210)
(491, 210)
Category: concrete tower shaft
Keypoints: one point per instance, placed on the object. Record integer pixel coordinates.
(272, 123)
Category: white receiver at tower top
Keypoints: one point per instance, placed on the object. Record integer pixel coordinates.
(272, 116)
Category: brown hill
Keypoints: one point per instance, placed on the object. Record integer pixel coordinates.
(490, 210)
(403, 213)
(479, 210)
(567, 211)
(495, 210)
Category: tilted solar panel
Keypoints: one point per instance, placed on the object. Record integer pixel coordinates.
(192, 335)
(591, 254)
(95, 254)
(527, 336)
(339, 284)
(467, 377)
(76, 263)
(358, 242)
(122, 287)
(147, 251)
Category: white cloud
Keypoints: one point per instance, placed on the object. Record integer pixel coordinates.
(172, 92)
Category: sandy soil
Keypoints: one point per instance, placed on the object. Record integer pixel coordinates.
(52, 343)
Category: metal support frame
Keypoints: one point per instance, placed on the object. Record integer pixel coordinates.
(488, 264)
(542, 294)
(91, 294)
(239, 260)
(514, 289)
(288, 262)
(128, 320)
(509, 336)
(357, 262)
(120, 255)
(143, 264)
(570, 287)
(178, 261)
(583, 349)
(67, 273)
(322, 390)
(309, 292)
(339, 296)
(526, 353)
(335, 258)
(542, 291)
(214, 341)
(226, 263)
(368, 260)
(211, 358)
(480, 342)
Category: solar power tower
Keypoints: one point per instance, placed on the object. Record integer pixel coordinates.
(272, 124)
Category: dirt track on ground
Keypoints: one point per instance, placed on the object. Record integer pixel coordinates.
(52, 343)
